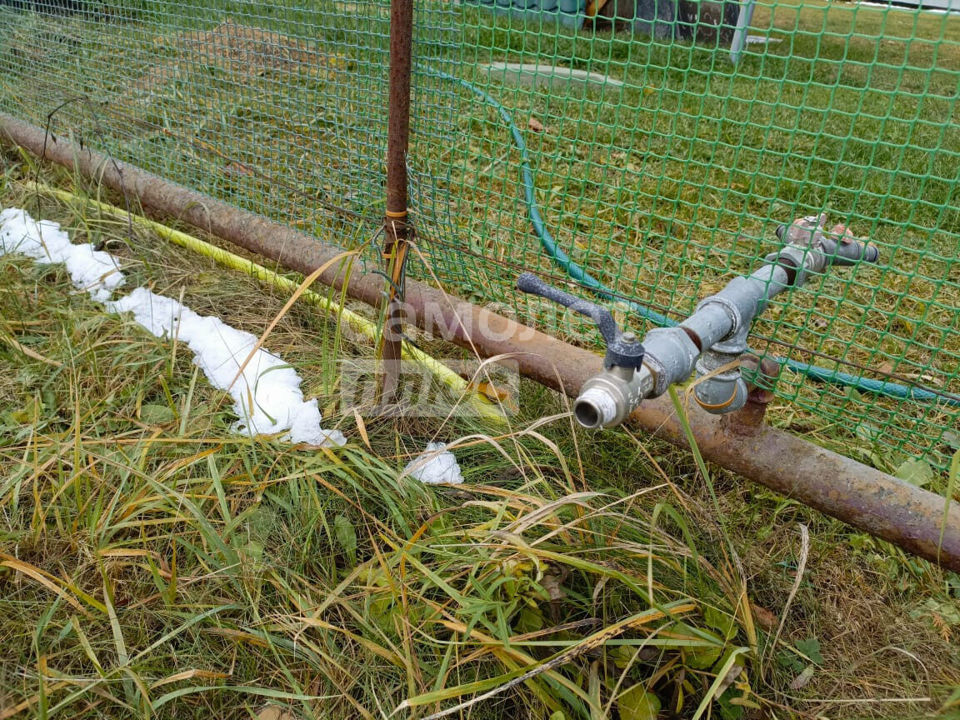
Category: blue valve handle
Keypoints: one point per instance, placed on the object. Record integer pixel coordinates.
(530, 283)
(623, 349)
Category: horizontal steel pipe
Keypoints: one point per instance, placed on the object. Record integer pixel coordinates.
(845, 489)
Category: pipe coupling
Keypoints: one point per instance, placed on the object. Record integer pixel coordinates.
(799, 262)
(670, 356)
(730, 306)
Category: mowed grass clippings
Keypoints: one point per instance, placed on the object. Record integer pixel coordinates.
(155, 565)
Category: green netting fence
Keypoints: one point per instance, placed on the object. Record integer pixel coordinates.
(612, 147)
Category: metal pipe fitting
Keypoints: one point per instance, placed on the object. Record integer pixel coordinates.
(849, 252)
(764, 373)
(773, 279)
(670, 356)
(716, 331)
(742, 299)
(710, 322)
(607, 399)
(723, 392)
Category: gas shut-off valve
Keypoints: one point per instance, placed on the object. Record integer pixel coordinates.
(711, 340)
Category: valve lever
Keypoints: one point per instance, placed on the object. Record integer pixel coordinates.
(623, 348)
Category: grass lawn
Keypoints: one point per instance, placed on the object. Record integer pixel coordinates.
(152, 564)
(666, 187)
(663, 188)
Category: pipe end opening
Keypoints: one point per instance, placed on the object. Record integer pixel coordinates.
(587, 414)
(595, 408)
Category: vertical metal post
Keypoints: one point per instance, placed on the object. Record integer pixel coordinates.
(743, 27)
(397, 230)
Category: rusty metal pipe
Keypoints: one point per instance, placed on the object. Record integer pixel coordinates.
(398, 128)
(845, 489)
(396, 224)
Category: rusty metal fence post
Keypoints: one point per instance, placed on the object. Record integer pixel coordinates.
(397, 230)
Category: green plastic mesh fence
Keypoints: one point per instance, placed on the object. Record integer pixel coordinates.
(612, 146)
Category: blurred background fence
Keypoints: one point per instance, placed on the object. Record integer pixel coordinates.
(613, 147)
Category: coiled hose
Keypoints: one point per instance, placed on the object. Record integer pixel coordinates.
(583, 277)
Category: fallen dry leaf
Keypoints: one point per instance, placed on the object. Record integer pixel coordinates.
(763, 617)
(804, 678)
(273, 712)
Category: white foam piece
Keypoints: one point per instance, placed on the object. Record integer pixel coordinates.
(95, 271)
(266, 394)
(435, 466)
